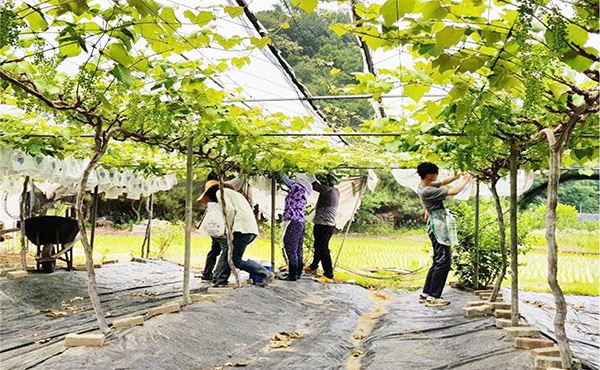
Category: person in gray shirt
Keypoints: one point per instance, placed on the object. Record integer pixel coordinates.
(432, 197)
(324, 223)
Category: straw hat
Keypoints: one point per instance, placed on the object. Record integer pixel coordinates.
(209, 184)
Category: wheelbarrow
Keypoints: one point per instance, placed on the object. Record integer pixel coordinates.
(54, 237)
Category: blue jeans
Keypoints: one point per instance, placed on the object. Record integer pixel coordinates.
(240, 242)
(211, 257)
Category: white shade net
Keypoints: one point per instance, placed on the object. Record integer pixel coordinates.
(409, 178)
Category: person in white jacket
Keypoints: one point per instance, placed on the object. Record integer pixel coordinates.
(245, 229)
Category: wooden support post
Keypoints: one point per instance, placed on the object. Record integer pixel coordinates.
(150, 216)
(188, 222)
(22, 214)
(477, 200)
(93, 217)
(273, 194)
(514, 248)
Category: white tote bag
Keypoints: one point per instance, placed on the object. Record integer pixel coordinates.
(213, 223)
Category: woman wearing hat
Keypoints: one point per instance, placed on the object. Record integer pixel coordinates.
(243, 224)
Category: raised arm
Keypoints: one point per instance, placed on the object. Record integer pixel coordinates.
(449, 180)
(457, 189)
(287, 181)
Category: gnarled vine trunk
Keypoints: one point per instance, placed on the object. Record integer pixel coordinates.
(556, 150)
(502, 240)
(100, 149)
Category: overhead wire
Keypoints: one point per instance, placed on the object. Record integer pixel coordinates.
(196, 49)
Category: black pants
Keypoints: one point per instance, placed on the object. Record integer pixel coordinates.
(240, 242)
(438, 273)
(211, 257)
(322, 234)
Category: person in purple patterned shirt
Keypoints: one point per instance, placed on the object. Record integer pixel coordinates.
(299, 190)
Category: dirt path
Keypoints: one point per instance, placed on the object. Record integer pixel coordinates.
(366, 324)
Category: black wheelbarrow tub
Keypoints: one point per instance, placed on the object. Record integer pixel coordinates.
(51, 230)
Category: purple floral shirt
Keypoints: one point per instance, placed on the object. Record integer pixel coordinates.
(295, 203)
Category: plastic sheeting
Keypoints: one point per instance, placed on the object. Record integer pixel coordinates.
(583, 321)
(410, 179)
(411, 336)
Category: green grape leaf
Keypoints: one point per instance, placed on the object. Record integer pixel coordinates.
(36, 19)
(472, 64)
(415, 91)
(339, 29)
(577, 62)
(234, 11)
(307, 5)
(144, 7)
(433, 10)
(203, 18)
(393, 10)
(448, 36)
(576, 34)
(118, 53)
(122, 74)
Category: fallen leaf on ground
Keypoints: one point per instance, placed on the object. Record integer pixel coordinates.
(237, 364)
(145, 293)
(284, 339)
(54, 313)
(357, 352)
(279, 344)
(380, 296)
(540, 305)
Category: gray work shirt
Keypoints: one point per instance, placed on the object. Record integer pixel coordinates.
(327, 204)
(432, 196)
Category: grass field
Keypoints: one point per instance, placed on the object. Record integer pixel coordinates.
(579, 273)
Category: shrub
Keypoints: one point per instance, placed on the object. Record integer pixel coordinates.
(465, 255)
(566, 218)
(166, 235)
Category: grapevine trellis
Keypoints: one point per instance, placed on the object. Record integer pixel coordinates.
(518, 87)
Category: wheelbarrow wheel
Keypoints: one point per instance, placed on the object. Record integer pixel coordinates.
(49, 265)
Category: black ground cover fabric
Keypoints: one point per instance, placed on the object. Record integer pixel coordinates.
(122, 289)
(238, 327)
(410, 336)
(582, 324)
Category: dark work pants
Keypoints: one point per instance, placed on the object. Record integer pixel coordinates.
(293, 240)
(240, 242)
(438, 273)
(211, 257)
(322, 234)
